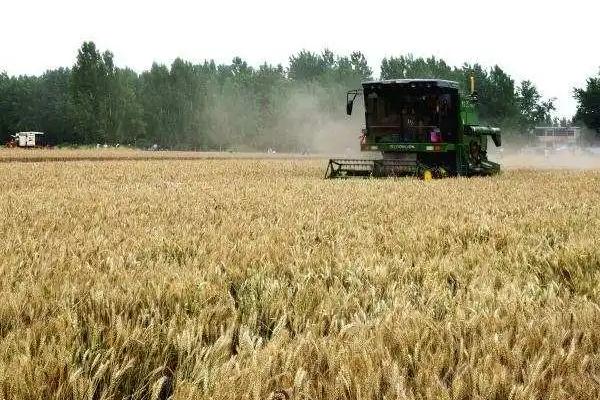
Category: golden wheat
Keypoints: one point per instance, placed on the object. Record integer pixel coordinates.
(250, 279)
(125, 154)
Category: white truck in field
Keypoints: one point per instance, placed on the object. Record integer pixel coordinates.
(25, 139)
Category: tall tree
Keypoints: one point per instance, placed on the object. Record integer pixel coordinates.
(4, 107)
(500, 104)
(125, 122)
(19, 104)
(533, 111)
(90, 93)
(55, 112)
(156, 105)
(410, 67)
(306, 65)
(588, 104)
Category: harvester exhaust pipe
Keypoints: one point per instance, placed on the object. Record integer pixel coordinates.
(474, 96)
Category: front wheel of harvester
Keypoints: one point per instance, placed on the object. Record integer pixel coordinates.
(427, 175)
(475, 152)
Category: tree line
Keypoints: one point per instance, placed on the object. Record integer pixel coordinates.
(235, 106)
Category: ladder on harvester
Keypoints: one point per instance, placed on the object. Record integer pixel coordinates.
(346, 167)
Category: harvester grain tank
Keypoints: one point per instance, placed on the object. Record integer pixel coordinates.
(422, 127)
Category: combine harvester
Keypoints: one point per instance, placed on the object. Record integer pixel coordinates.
(419, 127)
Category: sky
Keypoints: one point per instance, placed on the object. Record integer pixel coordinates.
(552, 43)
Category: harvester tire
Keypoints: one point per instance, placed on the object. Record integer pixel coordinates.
(475, 152)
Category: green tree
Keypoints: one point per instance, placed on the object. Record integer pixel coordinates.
(90, 94)
(410, 67)
(306, 65)
(4, 107)
(125, 113)
(500, 104)
(55, 111)
(19, 104)
(186, 102)
(588, 104)
(270, 89)
(360, 66)
(532, 110)
(156, 105)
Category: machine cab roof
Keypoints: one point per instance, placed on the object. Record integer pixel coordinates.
(411, 83)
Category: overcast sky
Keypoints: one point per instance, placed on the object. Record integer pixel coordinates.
(552, 43)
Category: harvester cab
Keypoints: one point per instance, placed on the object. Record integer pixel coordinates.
(421, 127)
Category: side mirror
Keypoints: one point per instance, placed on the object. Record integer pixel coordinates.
(350, 96)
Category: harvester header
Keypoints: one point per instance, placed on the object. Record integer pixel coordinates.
(419, 127)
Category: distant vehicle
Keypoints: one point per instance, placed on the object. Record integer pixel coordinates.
(25, 139)
(557, 138)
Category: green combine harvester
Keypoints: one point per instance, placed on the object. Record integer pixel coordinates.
(419, 127)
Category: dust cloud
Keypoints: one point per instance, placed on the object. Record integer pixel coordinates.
(521, 151)
(312, 120)
(321, 127)
(577, 159)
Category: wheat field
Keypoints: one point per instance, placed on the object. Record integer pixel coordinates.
(258, 279)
